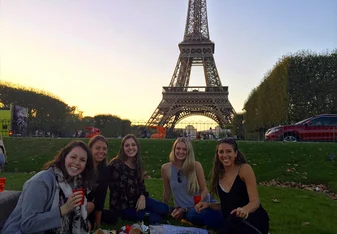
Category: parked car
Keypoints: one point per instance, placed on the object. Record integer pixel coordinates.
(318, 128)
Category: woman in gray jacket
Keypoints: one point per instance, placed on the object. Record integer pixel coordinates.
(47, 203)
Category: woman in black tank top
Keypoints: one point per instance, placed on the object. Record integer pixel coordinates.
(233, 180)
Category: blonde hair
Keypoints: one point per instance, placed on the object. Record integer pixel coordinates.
(188, 167)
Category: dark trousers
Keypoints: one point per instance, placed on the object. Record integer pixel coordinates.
(235, 225)
(109, 217)
(213, 219)
(155, 208)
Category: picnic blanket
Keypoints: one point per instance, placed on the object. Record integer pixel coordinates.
(162, 229)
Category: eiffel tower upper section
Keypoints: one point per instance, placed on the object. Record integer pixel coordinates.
(181, 100)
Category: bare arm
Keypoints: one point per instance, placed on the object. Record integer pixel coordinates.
(215, 206)
(247, 174)
(166, 181)
(204, 205)
(201, 180)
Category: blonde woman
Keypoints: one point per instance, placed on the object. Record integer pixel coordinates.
(185, 179)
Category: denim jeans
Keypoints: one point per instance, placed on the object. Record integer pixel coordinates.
(2, 159)
(213, 219)
(155, 208)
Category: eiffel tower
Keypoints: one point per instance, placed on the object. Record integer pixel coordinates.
(181, 100)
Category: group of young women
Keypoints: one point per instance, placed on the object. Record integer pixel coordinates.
(52, 200)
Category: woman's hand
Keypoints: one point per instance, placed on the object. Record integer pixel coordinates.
(141, 203)
(200, 206)
(178, 213)
(96, 226)
(71, 203)
(240, 212)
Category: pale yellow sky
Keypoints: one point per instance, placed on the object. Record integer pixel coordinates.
(114, 57)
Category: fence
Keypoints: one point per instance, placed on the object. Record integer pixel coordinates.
(56, 128)
(193, 129)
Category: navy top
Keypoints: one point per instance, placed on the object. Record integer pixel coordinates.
(98, 193)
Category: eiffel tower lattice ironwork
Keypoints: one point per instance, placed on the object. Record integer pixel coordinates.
(181, 100)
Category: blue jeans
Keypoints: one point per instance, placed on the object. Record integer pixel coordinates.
(213, 219)
(155, 208)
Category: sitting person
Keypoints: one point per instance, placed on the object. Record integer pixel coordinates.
(96, 198)
(47, 203)
(128, 195)
(235, 183)
(3, 155)
(184, 177)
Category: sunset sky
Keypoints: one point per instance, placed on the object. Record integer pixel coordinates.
(114, 56)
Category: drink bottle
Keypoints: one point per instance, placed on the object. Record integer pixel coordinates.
(147, 222)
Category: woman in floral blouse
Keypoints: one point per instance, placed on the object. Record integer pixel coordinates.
(128, 195)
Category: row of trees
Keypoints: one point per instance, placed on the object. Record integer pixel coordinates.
(48, 113)
(299, 86)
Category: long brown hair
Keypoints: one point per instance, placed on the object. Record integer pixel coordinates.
(137, 159)
(218, 170)
(95, 139)
(88, 173)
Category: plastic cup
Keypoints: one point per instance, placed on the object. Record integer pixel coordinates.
(2, 184)
(197, 199)
(83, 192)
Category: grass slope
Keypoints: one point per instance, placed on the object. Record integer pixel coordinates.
(296, 211)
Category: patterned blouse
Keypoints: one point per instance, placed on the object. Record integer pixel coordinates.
(125, 186)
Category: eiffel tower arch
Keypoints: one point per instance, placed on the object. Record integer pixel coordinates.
(181, 100)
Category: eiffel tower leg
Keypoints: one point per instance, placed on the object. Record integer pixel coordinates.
(181, 73)
(211, 73)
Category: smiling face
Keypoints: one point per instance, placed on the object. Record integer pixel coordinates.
(180, 151)
(99, 150)
(227, 154)
(75, 161)
(130, 148)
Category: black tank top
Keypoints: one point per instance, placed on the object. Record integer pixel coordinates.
(236, 197)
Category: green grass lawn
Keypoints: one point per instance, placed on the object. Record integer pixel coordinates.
(296, 211)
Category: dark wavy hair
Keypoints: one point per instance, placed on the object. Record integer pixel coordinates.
(88, 174)
(137, 159)
(218, 170)
(95, 139)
